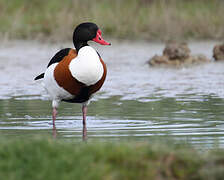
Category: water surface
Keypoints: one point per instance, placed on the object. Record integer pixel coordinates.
(136, 102)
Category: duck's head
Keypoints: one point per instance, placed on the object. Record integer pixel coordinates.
(85, 32)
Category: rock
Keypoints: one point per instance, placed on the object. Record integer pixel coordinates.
(197, 59)
(158, 60)
(218, 52)
(177, 55)
(162, 61)
(175, 51)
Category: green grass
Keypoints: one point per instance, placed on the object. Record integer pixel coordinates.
(139, 19)
(44, 158)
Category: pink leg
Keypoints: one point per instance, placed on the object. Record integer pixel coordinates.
(84, 131)
(54, 114)
(54, 131)
(84, 112)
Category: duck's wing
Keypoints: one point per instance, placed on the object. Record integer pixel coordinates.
(57, 58)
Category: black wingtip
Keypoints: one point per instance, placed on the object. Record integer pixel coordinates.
(39, 77)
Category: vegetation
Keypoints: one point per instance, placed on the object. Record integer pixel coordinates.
(142, 19)
(55, 159)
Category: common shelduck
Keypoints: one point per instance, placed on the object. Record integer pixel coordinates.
(74, 75)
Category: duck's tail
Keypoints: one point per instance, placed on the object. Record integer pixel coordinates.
(39, 77)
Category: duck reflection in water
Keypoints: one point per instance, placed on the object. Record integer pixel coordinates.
(84, 132)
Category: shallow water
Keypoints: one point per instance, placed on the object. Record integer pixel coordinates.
(136, 102)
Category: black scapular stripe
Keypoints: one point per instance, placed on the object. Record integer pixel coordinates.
(57, 58)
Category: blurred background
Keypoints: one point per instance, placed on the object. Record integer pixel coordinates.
(127, 19)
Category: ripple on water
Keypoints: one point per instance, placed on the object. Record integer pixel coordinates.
(136, 100)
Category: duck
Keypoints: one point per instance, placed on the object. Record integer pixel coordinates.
(75, 75)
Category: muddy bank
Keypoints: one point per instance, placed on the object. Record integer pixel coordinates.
(177, 54)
